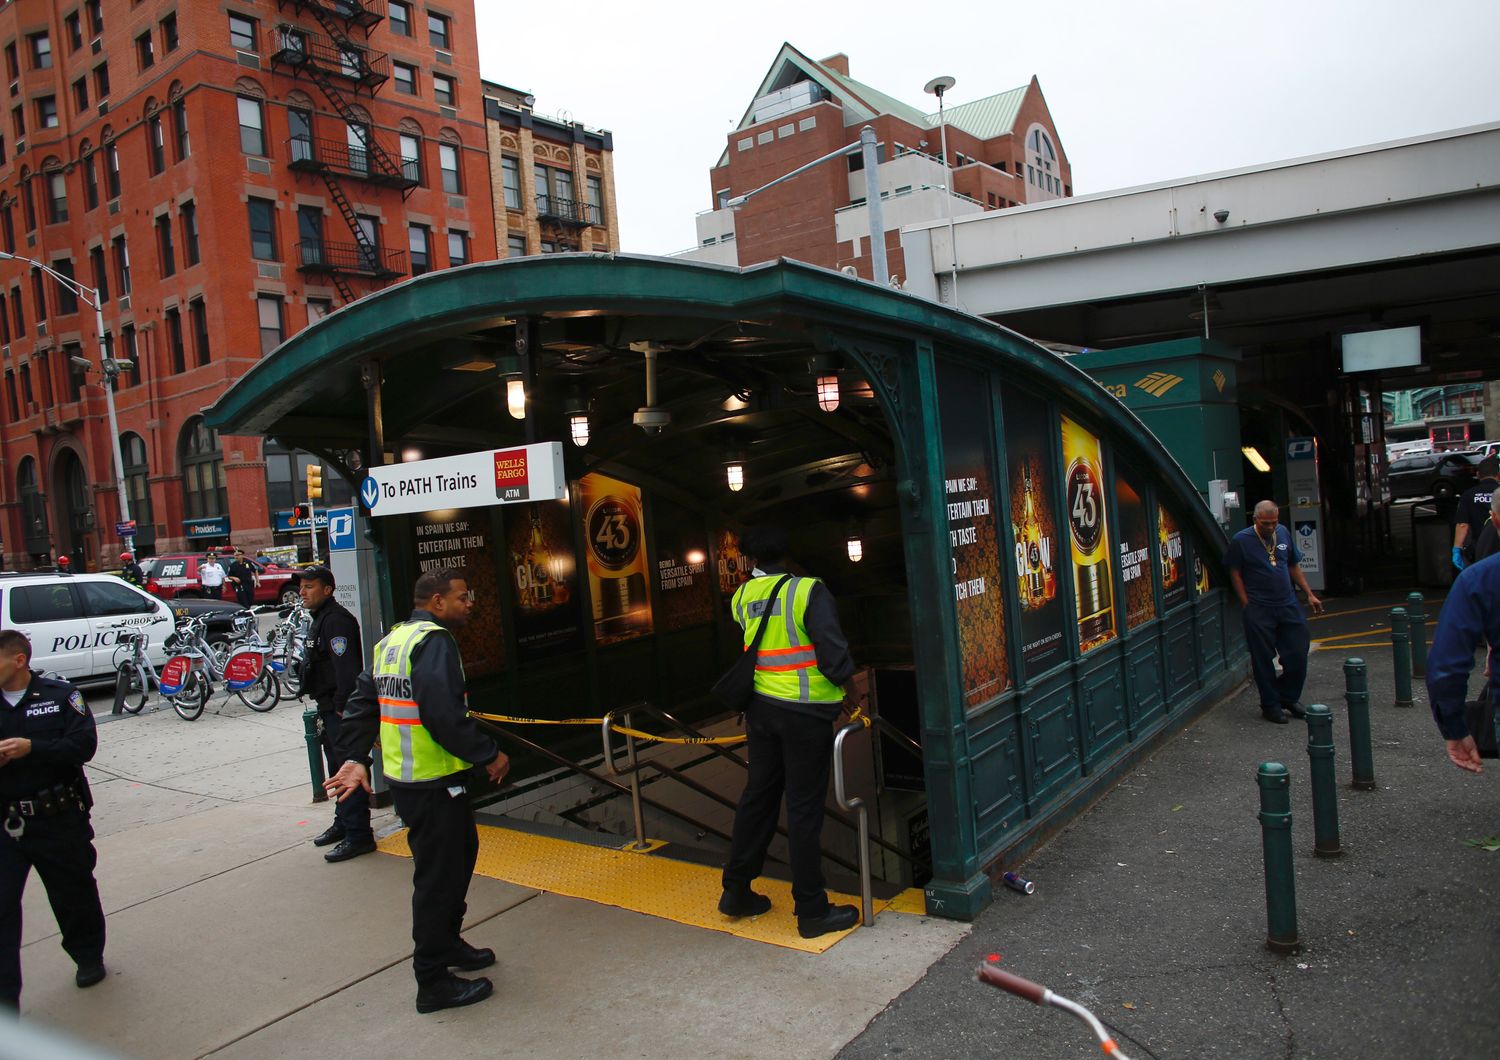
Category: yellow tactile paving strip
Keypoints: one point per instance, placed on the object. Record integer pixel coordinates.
(656, 886)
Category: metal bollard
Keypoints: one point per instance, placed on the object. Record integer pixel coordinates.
(1401, 656)
(312, 732)
(1418, 619)
(1357, 696)
(1325, 792)
(1276, 844)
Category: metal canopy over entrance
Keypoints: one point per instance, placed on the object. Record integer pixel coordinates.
(1036, 584)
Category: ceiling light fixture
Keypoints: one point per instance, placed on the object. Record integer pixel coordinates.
(515, 397)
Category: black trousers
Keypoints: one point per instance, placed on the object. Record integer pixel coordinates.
(61, 849)
(353, 814)
(1271, 632)
(444, 846)
(791, 754)
(245, 594)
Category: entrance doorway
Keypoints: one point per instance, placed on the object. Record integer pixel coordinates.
(75, 516)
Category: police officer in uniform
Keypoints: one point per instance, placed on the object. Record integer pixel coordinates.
(243, 574)
(415, 702)
(330, 666)
(132, 572)
(802, 662)
(1470, 616)
(1473, 512)
(46, 735)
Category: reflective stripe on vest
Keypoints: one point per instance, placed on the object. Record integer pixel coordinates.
(786, 666)
(407, 750)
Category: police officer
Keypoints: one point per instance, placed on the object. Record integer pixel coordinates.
(132, 572)
(1473, 512)
(415, 702)
(244, 575)
(802, 662)
(1471, 614)
(46, 735)
(1263, 564)
(332, 661)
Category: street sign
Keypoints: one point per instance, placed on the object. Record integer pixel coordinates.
(125, 529)
(471, 480)
(340, 529)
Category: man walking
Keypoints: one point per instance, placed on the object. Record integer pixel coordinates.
(1470, 615)
(243, 576)
(330, 666)
(211, 577)
(802, 661)
(1263, 564)
(415, 702)
(46, 735)
(1473, 512)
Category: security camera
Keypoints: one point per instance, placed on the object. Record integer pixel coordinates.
(1221, 216)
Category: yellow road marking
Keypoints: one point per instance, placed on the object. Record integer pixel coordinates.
(1362, 644)
(1360, 633)
(1355, 611)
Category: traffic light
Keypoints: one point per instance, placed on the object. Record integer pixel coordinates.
(314, 482)
(299, 513)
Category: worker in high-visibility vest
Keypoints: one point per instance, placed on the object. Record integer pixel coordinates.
(802, 662)
(414, 700)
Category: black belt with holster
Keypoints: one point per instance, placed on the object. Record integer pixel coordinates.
(66, 797)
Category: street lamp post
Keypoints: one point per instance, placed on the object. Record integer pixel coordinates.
(107, 364)
(938, 86)
(866, 146)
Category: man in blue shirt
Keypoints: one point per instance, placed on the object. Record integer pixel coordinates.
(1470, 614)
(1263, 563)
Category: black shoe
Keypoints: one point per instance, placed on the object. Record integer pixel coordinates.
(470, 958)
(746, 904)
(453, 992)
(838, 918)
(332, 834)
(1275, 714)
(1296, 710)
(350, 848)
(90, 974)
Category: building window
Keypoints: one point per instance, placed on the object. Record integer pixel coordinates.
(400, 18)
(95, 10)
(145, 54)
(75, 373)
(252, 126)
(554, 189)
(8, 229)
(242, 33)
(180, 130)
(437, 31)
(156, 144)
(12, 398)
(411, 158)
(268, 307)
(198, 314)
(189, 211)
(406, 79)
(112, 170)
(67, 301)
(263, 229)
(130, 353)
(442, 89)
(101, 80)
(46, 112)
(357, 136)
(18, 315)
(101, 275)
(310, 235)
(318, 308)
(74, 26)
(18, 121)
(174, 340)
(12, 68)
(39, 294)
(448, 162)
(28, 204)
(419, 242)
(2, 150)
(204, 494)
(40, 47)
(138, 489)
(57, 197)
(169, 34)
(458, 248)
(549, 247)
(594, 189)
(80, 95)
(299, 124)
(164, 249)
(122, 265)
(515, 246)
(510, 175)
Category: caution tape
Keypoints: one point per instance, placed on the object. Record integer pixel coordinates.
(624, 730)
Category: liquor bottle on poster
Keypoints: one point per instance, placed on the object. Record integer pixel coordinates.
(538, 562)
(1033, 550)
(1086, 531)
(614, 529)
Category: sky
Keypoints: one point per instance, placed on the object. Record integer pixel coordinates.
(1140, 91)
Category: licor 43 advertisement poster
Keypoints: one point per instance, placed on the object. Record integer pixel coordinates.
(614, 535)
(1088, 534)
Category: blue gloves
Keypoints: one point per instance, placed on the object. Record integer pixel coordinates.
(1458, 559)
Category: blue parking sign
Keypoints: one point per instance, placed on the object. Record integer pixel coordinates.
(341, 529)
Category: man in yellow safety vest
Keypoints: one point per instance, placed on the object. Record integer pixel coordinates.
(802, 662)
(414, 700)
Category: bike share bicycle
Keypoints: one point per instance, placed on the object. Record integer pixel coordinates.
(187, 679)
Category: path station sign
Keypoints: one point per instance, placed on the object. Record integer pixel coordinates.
(471, 480)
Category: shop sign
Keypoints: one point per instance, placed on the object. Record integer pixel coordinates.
(286, 521)
(218, 526)
(470, 480)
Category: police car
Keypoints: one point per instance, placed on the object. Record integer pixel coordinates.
(74, 620)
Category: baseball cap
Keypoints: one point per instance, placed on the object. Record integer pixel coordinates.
(318, 572)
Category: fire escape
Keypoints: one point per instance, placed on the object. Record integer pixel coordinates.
(343, 69)
(562, 219)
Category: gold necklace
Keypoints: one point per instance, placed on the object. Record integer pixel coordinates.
(1271, 549)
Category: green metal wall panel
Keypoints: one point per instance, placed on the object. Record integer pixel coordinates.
(1145, 686)
(999, 777)
(1180, 645)
(1101, 704)
(1051, 725)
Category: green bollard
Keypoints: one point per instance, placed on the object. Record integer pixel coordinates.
(1276, 844)
(1325, 792)
(1357, 696)
(312, 732)
(1418, 619)
(1401, 656)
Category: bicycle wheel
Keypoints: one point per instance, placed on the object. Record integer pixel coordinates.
(190, 701)
(131, 687)
(264, 694)
(291, 679)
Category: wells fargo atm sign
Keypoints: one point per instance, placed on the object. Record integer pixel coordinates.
(470, 480)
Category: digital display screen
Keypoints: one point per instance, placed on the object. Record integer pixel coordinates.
(1371, 351)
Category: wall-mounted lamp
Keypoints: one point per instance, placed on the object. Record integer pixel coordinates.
(734, 473)
(825, 371)
(515, 397)
(1257, 461)
(577, 410)
(856, 546)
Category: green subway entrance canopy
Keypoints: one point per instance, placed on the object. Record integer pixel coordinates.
(1029, 582)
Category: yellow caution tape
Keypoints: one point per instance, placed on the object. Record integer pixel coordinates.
(622, 729)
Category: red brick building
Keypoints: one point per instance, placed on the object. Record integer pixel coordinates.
(225, 173)
(1003, 149)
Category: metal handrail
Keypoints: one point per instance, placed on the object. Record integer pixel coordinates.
(857, 807)
(634, 772)
(296, 46)
(321, 255)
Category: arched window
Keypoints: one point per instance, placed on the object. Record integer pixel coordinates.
(138, 491)
(203, 490)
(33, 510)
(1043, 173)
